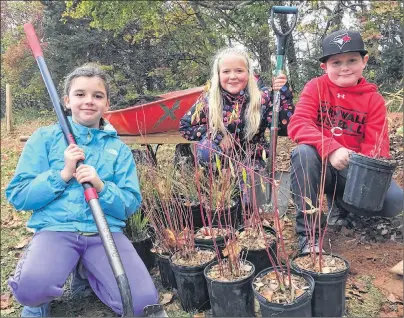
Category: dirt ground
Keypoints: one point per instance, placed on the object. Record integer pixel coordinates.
(372, 247)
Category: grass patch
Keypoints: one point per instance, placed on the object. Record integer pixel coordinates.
(369, 304)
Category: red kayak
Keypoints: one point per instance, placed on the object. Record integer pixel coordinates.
(155, 117)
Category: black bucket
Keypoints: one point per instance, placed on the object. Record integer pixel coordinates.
(223, 216)
(260, 257)
(367, 182)
(166, 273)
(231, 298)
(143, 249)
(329, 293)
(196, 215)
(300, 307)
(192, 286)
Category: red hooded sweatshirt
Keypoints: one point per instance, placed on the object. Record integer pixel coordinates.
(329, 117)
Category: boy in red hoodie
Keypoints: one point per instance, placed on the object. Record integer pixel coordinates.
(338, 113)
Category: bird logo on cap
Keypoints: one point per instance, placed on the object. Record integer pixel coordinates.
(341, 40)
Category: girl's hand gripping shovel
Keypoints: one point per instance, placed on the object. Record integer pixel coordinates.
(89, 191)
(280, 58)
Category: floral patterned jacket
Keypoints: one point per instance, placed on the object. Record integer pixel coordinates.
(194, 124)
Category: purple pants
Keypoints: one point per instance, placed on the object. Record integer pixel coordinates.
(51, 256)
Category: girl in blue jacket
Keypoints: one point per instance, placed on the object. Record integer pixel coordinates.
(46, 181)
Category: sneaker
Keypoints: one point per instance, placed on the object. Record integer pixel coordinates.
(305, 245)
(41, 311)
(79, 285)
(337, 216)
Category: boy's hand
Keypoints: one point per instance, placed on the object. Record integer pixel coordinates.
(86, 173)
(279, 81)
(339, 158)
(72, 155)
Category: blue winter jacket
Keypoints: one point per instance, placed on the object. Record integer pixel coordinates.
(60, 206)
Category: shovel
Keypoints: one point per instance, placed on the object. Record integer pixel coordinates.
(280, 58)
(90, 193)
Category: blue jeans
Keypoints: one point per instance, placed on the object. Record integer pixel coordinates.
(305, 181)
(51, 256)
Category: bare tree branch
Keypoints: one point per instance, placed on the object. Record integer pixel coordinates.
(225, 5)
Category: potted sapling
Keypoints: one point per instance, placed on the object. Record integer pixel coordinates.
(138, 231)
(229, 282)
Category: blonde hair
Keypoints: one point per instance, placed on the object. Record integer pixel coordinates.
(253, 111)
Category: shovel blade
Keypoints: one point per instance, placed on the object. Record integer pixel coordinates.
(156, 310)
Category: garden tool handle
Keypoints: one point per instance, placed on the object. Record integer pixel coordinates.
(280, 58)
(280, 35)
(89, 191)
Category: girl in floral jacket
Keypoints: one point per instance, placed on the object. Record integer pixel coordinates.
(233, 113)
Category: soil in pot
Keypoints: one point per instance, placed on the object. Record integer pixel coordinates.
(253, 242)
(143, 249)
(367, 181)
(166, 273)
(188, 270)
(230, 291)
(329, 293)
(279, 300)
(207, 236)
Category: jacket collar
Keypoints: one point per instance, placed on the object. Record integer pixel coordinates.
(85, 134)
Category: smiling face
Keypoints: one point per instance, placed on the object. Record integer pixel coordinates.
(233, 73)
(87, 100)
(345, 69)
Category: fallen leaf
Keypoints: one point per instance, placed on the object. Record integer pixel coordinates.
(23, 243)
(170, 237)
(232, 250)
(258, 284)
(299, 292)
(309, 202)
(326, 270)
(267, 295)
(167, 298)
(266, 223)
(247, 267)
(311, 211)
(397, 269)
(391, 298)
(199, 315)
(5, 301)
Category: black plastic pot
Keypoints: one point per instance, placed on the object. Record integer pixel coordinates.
(195, 210)
(166, 273)
(143, 249)
(231, 298)
(223, 216)
(220, 243)
(300, 307)
(329, 293)
(367, 182)
(260, 257)
(192, 286)
(196, 216)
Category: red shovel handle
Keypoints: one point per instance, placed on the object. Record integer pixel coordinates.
(33, 40)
